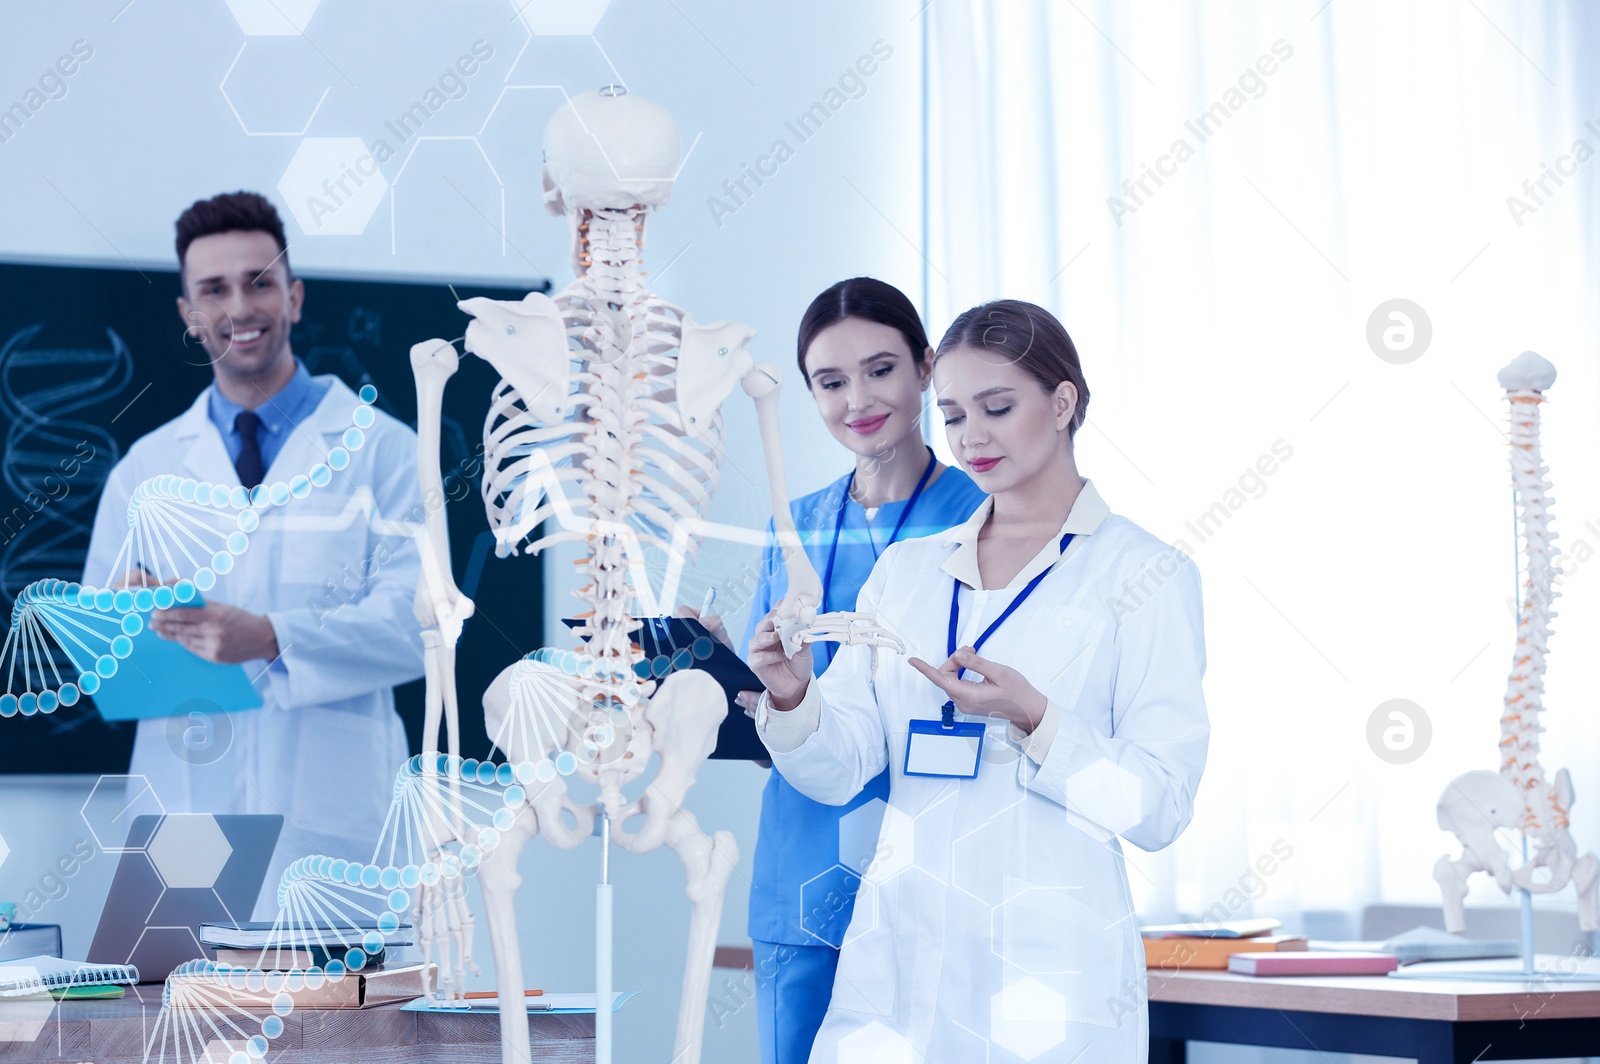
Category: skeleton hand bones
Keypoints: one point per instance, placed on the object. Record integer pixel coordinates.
(850, 629)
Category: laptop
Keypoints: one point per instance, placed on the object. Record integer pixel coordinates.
(181, 870)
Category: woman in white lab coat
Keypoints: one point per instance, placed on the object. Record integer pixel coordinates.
(1049, 702)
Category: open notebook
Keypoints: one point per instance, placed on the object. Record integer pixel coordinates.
(31, 975)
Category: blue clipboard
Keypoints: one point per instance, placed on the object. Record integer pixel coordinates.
(163, 679)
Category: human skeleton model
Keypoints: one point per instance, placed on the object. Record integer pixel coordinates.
(1518, 799)
(606, 420)
(605, 423)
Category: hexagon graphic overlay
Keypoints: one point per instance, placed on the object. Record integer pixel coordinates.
(1027, 1018)
(1106, 794)
(189, 850)
(110, 809)
(273, 18)
(561, 18)
(332, 186)
(875, 1044)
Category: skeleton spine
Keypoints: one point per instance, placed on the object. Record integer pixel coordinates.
(1519, 725)
(615, 277)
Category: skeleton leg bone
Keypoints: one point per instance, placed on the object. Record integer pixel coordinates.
(708, 862)
(498, 878)
(1586, 878)
(1452, 878)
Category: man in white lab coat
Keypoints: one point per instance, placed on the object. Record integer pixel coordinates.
(318, 609)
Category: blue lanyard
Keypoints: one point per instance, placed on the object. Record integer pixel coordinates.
(948, 710)
(838, 527)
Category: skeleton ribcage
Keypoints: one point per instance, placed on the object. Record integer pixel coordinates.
(620, 472)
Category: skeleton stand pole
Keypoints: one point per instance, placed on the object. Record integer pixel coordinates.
(1526, 899)
(602, 948)
(1524, 896)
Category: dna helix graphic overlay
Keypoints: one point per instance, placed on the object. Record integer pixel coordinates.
(90, 630)
(446, 820)
(207, 1006)
(439, 801)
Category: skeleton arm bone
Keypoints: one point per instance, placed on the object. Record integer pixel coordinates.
(439, 601)
(799, 607)
(439, 606)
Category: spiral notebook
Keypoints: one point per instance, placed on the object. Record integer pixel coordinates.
(31, 975)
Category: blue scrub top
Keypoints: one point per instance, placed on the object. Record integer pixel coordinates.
(800, 893)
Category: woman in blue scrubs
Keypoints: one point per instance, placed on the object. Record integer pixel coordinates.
(865, 357)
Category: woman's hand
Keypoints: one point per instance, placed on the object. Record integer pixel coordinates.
(786, 678)
(711, 622)
(747, 701)
(1003, 692)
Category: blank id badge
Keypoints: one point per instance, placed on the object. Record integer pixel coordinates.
(949, 750)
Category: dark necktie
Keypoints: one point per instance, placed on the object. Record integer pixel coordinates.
(251, 470)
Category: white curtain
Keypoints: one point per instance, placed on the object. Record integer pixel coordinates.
(1290, 167)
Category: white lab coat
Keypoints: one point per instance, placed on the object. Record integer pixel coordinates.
(997, 923)
(324, 747)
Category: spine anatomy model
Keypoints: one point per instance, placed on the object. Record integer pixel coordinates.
(1519, 800)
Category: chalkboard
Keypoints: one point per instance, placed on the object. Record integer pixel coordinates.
(93, 358)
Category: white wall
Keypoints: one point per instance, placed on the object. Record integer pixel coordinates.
(144, 128)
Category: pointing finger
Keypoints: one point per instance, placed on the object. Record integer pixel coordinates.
(944, 681)
(967, 658)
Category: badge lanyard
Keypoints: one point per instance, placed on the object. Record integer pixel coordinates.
(947, 712)
(838, 528)
(949, 748)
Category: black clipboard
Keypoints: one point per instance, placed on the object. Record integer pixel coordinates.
(674, 643)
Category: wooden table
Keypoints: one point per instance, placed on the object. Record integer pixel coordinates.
(114, 1032)
(1435, 1022)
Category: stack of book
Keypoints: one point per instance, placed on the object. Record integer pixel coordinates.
(1429, 944)
(30, 940)
(332, 966)
(31, 976)
(1314, 962)
(271, 947)
(1174, 947)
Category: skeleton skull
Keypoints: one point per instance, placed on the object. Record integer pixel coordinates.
(609, 150)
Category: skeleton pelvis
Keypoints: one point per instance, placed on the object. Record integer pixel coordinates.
(567, 706)
(532, 708)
